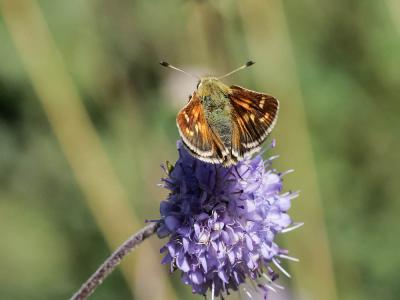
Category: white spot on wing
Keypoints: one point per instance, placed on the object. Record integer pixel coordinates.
(186, 117)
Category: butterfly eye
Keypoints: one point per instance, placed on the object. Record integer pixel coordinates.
(198, 84)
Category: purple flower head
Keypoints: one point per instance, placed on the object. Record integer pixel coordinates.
(222, 223)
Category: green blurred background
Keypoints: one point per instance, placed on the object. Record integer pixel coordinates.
(87, 116)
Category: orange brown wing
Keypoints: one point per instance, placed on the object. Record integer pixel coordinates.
(197, 135)
(254, 116)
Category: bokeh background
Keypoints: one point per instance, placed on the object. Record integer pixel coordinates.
(87, 116)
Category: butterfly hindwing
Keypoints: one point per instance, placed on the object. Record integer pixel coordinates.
(197, 135)
(254, 116)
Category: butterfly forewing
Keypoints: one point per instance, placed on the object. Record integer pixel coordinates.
(196, 133)
(254, 116)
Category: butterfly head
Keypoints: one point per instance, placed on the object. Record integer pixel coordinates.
(208, 86)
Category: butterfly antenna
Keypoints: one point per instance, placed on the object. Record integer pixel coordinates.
(248, 64)
(167, 65)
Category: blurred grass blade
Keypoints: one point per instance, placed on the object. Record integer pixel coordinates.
(270, 44)
(394, 12)
(79, 141)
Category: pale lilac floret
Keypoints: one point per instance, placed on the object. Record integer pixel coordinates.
(222, 222)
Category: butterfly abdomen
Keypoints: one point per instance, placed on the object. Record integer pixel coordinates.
(221, 125)
(217, 111)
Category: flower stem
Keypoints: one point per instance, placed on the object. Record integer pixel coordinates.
(113, 261)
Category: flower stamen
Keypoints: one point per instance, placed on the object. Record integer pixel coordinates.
(295, 259)
(276, 263)
(294, 227)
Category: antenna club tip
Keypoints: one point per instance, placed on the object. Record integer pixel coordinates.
(164, 63)
(250, 63)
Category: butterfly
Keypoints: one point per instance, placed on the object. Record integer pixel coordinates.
(224, 124)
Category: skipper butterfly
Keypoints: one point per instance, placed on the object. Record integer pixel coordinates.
(224, 124)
